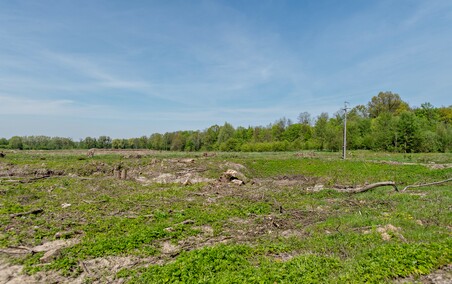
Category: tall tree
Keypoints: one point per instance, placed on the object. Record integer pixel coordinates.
(155, 141)
(89, 142)
(386, 102)
(445, 114)
(305, 118)
(104, 142)
(16, 142)
(210, 137)
(384, 129)
(226, 132)
(409, 138)
(320, 132)
(428, 112)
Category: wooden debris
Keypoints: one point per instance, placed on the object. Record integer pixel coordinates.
(427, 184)
(373, 185)
(17, 250)
(34, 179)
(34, 211)
(209, 154)
(90, 153)
(233, 176)
(123, 174)
(187, 222)
(50, 255)
(237, 182)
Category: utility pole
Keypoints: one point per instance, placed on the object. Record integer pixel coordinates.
(344, 148)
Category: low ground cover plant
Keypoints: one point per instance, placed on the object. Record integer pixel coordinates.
(173, 218)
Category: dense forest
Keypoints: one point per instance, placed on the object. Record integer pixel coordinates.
(386, 123)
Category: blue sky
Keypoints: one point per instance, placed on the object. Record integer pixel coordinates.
(131, 68)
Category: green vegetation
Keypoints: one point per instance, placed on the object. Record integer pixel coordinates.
(273, 229)
(387, 123)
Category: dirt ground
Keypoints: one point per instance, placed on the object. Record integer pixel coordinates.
(102, 270)
(186, 171)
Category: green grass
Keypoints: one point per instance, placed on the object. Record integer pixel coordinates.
(274, 232)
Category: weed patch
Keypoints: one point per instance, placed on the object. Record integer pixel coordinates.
(270, 229)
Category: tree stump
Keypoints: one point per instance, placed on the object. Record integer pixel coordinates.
(124, 174)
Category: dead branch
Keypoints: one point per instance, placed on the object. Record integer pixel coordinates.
(34, 179)
(10, 180)
(426, 184)
(42, 177)
(20, 180)
(371, 186)
(82, 264)
(17, 250)
(92, 201)
(195, 170)
(34, 211)
(390, 183)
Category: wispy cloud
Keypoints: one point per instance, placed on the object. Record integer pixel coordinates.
(167, 64)
(21, 106)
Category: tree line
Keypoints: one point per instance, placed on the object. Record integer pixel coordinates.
(386, 123)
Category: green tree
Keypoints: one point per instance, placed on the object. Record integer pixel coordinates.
(386, 102)
(155, 141)
(292, 133)
(262, 134)
(3, 142)
(89, 143)
(445, 114)
(305, 118)
(178, 142)
(427, 111)
(167, 140)
(409, 136)
(16, 142)
(104, 142)
(334, 134)
(194, 141)
(444, 136)
(226, 132)
(360, 111)
(232, 144)
(277, 129)
(358, 130)
(243, 134)
(384, 129)
(320, 130)
(117, 144)
(210, 137)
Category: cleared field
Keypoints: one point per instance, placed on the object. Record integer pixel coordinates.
(152, 217)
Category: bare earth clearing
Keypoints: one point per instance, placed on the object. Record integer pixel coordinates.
(66, 217)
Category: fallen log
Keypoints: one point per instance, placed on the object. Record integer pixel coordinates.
(426, 184)
(370, 186)
(34, 211)
(34, 179)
